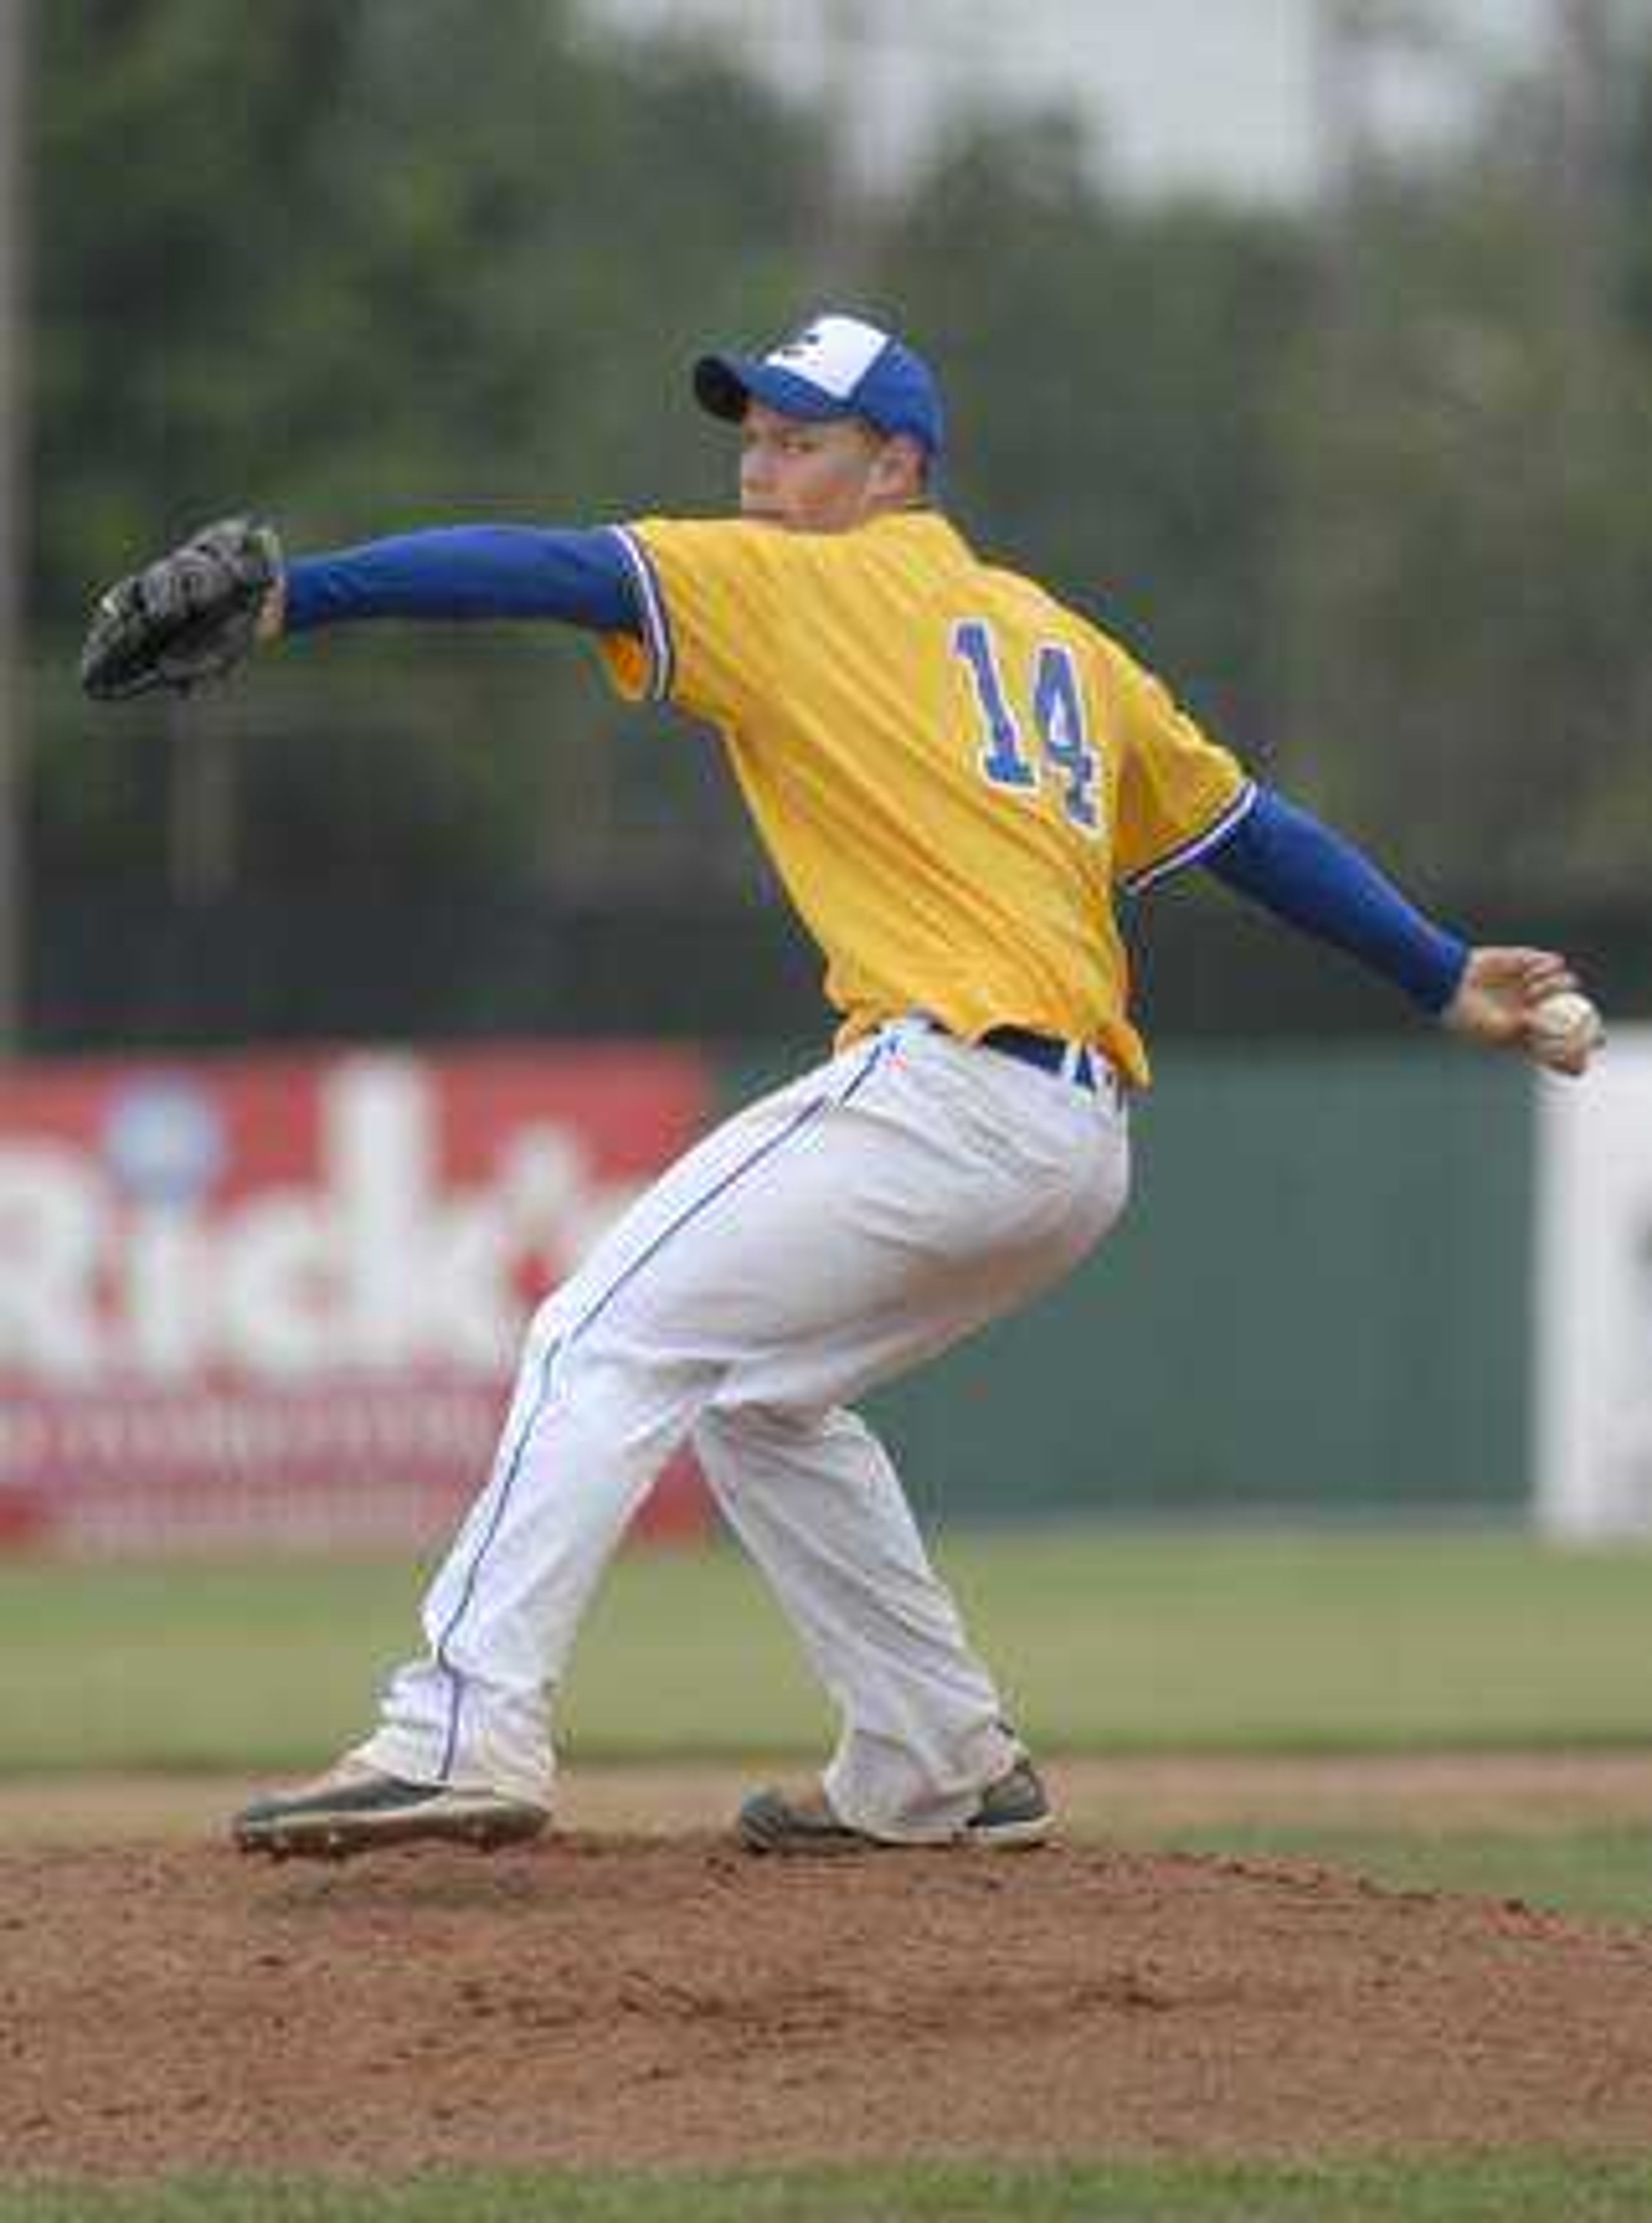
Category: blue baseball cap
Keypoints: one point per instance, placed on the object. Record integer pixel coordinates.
(835, 366)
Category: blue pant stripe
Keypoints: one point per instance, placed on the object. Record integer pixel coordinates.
(809, 1112)
(467, 1591)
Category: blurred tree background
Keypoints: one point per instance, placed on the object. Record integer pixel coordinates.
(1370, 481)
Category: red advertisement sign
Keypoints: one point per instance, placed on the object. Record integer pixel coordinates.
(280, 1299)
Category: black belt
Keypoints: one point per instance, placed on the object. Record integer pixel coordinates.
(1078, 1062)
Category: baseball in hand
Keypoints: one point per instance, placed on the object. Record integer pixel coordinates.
(1564, 1031)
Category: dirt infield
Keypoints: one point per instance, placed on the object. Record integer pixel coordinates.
(614, 1998)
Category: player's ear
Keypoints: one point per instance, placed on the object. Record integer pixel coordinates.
(899, 468)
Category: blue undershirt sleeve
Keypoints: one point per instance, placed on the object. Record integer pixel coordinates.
(1284, 858)
(468, 572)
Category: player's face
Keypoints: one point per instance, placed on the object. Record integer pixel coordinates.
(812, 478)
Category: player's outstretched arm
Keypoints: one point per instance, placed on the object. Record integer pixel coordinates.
(1523, 999)
(197, 612)
(460, 573)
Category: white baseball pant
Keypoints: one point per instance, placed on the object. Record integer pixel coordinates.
(829, 1237)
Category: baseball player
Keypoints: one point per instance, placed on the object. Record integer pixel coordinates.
(954, 776)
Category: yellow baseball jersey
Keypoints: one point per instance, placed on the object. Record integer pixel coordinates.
(952, 772)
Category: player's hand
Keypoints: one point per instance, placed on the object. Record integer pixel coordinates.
(1497, 1001)
(272, 618)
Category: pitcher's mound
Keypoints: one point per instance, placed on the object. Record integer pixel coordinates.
(611, 2001)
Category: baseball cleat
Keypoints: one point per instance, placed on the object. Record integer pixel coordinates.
(1015, 1813)
(355, 1809)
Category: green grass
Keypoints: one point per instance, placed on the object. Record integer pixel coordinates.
(1604, 1872)
(1104, 1641)
(1535, 2188)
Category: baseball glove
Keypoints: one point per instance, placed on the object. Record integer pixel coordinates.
(191, 616)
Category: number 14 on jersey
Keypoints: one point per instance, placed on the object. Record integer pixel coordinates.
(1057, 709)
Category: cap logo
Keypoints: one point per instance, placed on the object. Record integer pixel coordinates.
(833, 353)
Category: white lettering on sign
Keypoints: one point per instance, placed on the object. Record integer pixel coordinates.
(50, 1240)
(375, 1264)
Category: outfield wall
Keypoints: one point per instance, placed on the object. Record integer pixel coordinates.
(265, 1299)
